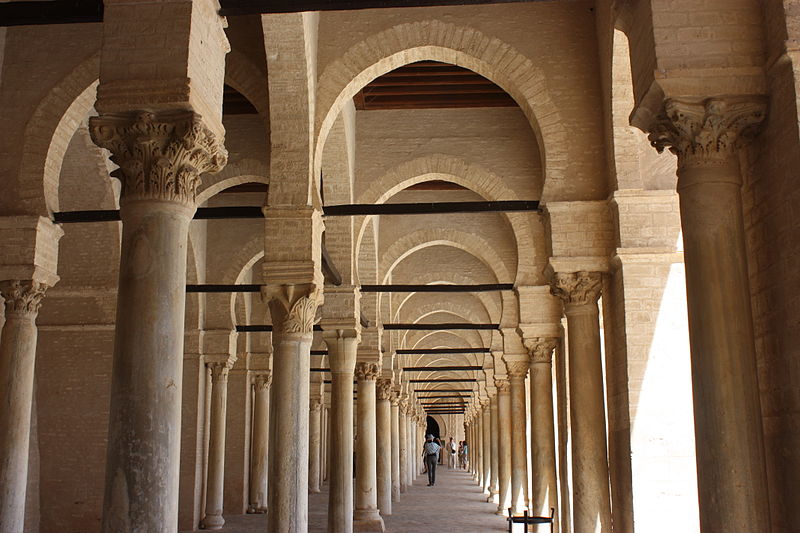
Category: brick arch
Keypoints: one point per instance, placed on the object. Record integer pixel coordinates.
(244, 76)
(426, 303)
(474, 177)
(242, 171)
(458, 45)
(468, 242)
(48, 134)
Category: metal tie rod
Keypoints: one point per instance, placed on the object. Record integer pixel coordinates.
(435, 351)
(434, 327)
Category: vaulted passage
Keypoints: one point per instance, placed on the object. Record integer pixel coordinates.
(253, 253)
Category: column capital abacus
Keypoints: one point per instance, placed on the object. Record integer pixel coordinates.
(367, 371)
(293, 307)
(384, 389)
(541, 349)
(22, 297)
(577, 288)
(502, 385)
(707, 132)
(262, 380)
(160, 155)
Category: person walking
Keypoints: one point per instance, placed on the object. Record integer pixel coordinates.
(451, 454)
(464, 455)
(430, 453)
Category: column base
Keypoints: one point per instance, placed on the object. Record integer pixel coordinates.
(212, 521)
(368, 521)
(501, 512)
(493, 497)
(256, 510)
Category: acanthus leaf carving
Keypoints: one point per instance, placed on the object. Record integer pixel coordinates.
(577, 288)
(160, 155)
(293, 308)
(263, 381)
(384, 389)
(366, 371)
(541, 349)
(503, 385)
(708, 131)
(22, 297)
(517, 369)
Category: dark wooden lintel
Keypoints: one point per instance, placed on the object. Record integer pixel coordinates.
(484, 287)
(50, 12)
(443, 326)
(442, 390)
(433, 351)
(253, 7)
(441, 368)
(430, 208)
(442, 380)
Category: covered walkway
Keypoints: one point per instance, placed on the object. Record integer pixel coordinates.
(454, 504)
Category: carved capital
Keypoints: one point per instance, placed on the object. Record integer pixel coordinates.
(541, 349)
(219, 372)
(384, 389)
(262, 381)
(517, 369)
(293, 308)
(160, 155)
(23, 298)
(395, 398)
(366, 371)
(709, 131)
(315, 404)
(577, 288)
(502, 385)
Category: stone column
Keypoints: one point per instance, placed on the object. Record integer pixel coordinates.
(260, 446)
(517, 372)
(403, 448)
(17, 361)
(591, 501)
(503, 445)
(395, 399)
(161, 157)
(215, 481)
(384, 446)
(323, 456)
(486, 443)
(366, 516)
(342, 346)
(314, 444)
(543, 439)
(494, 496)
(292, 308)
(707, 138)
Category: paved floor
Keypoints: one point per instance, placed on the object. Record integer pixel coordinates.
(455, 504)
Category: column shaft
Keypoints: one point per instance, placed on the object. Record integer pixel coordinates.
(342, 355)
(486, 442)
(17, 361)
(215, 482)
(366, 516)
(504, 446)
(314, 445)
(383, 444)
(260, 450)
(543, 440)
(519, 445)
(495, 450)
(395, 448)
(403, 448)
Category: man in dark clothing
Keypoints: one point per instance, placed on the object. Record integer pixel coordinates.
(430, 453)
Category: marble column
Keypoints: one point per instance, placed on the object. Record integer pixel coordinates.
(494, 496)
(366, 516)
(544, 494)
(403, 448)
(292, 308)
(503, 445)
(707, 137)
(160, 157)
(395, 399)
(591, 493)
(260, 444)
(323, 456)
(486, 443)
(17, 361)
(517, 372)
(215, 480)
(383, 444)
(342, 346)
(314, 444)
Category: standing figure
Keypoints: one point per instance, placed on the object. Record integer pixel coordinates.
(430, 452)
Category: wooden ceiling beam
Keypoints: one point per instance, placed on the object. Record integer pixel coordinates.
(253, 7)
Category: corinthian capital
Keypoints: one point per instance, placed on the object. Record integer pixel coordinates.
(262, 381)
(502, 385)
(517, 369)
(160, 155)
(708, 131)
(293, 308)
(576, 288)
(384, 389)
(23, 298)
(366, 371)
(540, 349)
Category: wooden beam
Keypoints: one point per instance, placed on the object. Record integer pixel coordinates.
(432, 351)
(442, 287)
(443, 380)
(442, 390)
(209, 287)
(50, 12)
(441, 368)
(435, 327)
(253, 7)
(241, 328)
(430, 208)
